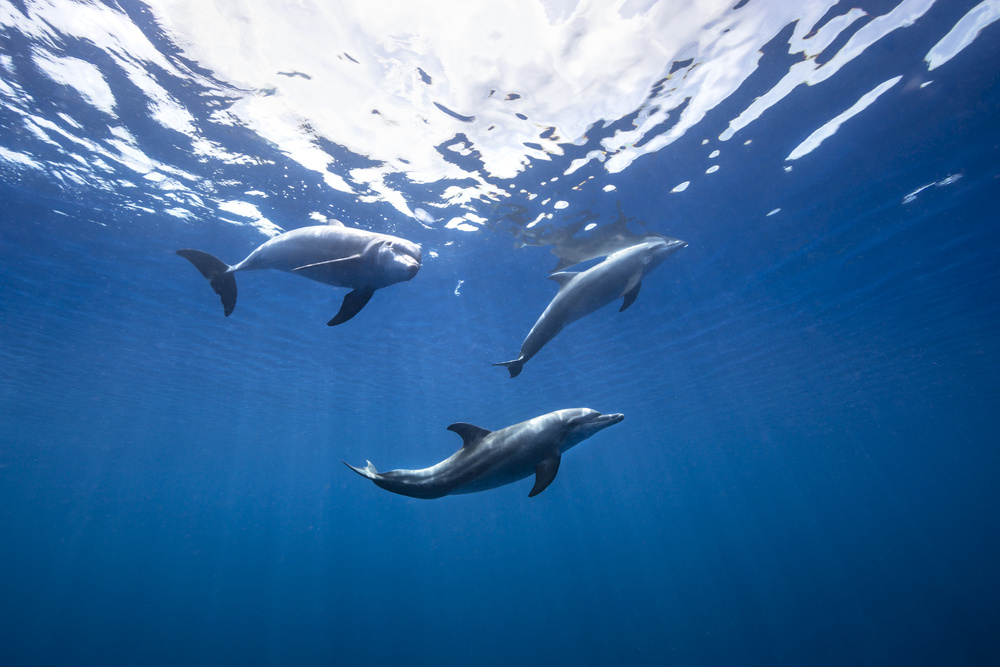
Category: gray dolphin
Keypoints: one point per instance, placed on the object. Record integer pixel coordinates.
(583, 292)
(489, 459)
(331, 254)
(574, 243)
(605, 241)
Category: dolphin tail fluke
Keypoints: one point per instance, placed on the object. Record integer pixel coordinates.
(218, 274)
(514, 367)
(368, 471)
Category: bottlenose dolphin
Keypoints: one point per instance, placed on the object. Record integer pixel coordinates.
(605, 241)
(489, 459)
(330, 254)
(583, 292)
(578, 241)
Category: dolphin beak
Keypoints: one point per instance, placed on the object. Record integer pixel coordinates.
(415, 258)
(669, 246)
(609, 420)
(412, 265)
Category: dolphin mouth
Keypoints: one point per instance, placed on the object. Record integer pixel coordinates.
(412, 266)
(609, 420)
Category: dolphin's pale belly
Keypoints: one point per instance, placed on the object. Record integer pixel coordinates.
(493, 481)
(495, 476)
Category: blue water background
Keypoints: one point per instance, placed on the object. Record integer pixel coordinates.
(806, 473)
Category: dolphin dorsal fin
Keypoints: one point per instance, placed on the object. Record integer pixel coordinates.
(471, 435)
(563, 263)
(563, 277)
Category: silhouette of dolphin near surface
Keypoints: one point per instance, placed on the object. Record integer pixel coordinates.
(581, 293)
(489, 459)
(331, 254)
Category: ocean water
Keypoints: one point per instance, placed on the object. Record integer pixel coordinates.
(806, 472)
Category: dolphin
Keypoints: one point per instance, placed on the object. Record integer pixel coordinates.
(583, 292)
(489, 459)
(567, 245)
(605, 241)
(331, 254)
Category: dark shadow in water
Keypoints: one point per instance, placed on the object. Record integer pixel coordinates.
(572, 243)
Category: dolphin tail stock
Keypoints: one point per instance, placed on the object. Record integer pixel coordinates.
(218, 274)
(368, 471)
(514, 367)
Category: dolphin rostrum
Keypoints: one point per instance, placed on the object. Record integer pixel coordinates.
(331, 254)
(583, 292)
(489, 459)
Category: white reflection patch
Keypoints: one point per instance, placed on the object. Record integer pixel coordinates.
(829, 129)
(84, 77)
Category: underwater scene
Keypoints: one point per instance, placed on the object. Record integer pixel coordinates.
(500, 332)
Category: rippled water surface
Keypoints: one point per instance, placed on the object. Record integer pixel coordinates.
(806, 469)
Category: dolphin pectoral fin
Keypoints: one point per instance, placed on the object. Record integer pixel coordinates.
(630, 296)
(545, 472)
(218, 274)
(352, 305)
(471, 435)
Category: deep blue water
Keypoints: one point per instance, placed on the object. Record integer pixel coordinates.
(806, 473)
